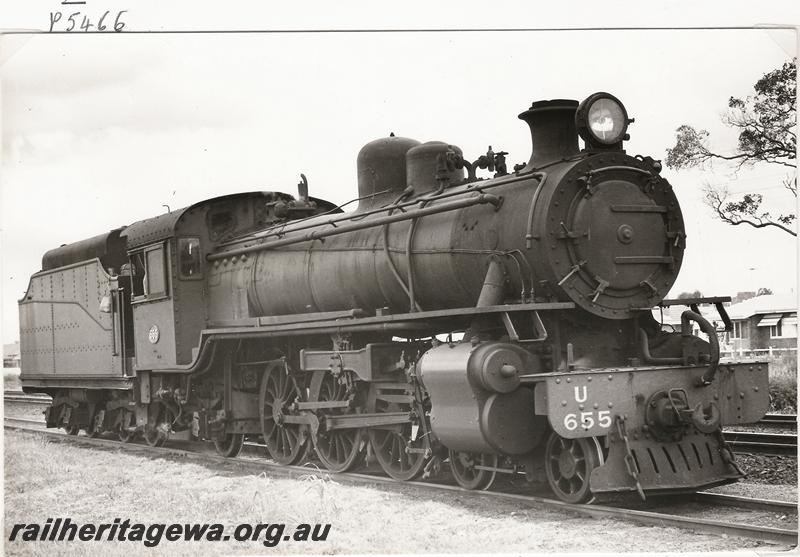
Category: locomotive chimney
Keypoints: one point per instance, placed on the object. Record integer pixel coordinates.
(553, 131)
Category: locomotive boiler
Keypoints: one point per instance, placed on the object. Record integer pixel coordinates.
(499, 325)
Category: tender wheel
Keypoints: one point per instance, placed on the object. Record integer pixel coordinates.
(462, 465)
(128, 420)
(569, 463)
(398, 455)
(338, 449)
(96, 425)
(157, 435)
(285, 441)
(231, 445)
(71, 429)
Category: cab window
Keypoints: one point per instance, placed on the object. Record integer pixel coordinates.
(150, 272)
(189, 262)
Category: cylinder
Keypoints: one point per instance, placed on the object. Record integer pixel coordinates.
(474, 407)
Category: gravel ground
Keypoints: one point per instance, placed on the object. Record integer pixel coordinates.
(11, 380)
(760, 428)
(23, 410)
(769, 469)
(745, 488)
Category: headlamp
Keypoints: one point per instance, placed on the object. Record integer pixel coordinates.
(601, 120)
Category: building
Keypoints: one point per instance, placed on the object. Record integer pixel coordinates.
(763, 323)
(11, 355)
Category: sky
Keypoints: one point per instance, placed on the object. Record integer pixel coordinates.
(100, 131)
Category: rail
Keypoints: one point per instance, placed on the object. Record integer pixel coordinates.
(740, 441)
(762, 443)
(28, 399)
(661, 519)
(789, 420)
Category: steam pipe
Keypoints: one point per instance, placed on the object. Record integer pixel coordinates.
(393, 268)
(410, 262)
(492, 290)
(542, 176)
(686, 317)
(708, 329)
(648, 358)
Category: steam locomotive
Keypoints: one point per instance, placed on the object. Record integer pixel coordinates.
(498, 325)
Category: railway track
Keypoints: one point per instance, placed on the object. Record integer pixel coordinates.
(762, 443)
(20, 397)
(785, 420)
(741, 441)
(662, 516)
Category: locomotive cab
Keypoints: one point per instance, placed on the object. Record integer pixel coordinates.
(173, 286)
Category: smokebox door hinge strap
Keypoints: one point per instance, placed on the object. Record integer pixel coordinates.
(586, 181)
(601, 286)
(575, 268)
(566, 233)
(678, 237)
(646, 284)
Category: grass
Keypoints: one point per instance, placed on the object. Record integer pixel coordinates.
(783, 383)
(44, 479)
(11, 380)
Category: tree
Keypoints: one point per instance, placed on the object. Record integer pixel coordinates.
(690, 295)
(765, 123)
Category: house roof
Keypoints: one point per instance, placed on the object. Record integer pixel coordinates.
(760, 305)
(11, 349)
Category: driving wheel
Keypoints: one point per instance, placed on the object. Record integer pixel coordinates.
(402, 450)
(285, 440)
(337, 449)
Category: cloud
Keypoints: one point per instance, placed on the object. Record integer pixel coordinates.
(82, 85)
(99, 131)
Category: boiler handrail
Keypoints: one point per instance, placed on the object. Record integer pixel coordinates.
(362, 225)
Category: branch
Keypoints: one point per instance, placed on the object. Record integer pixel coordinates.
(758, 224)
(691, 150)
(790, 183)
(747, 211)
